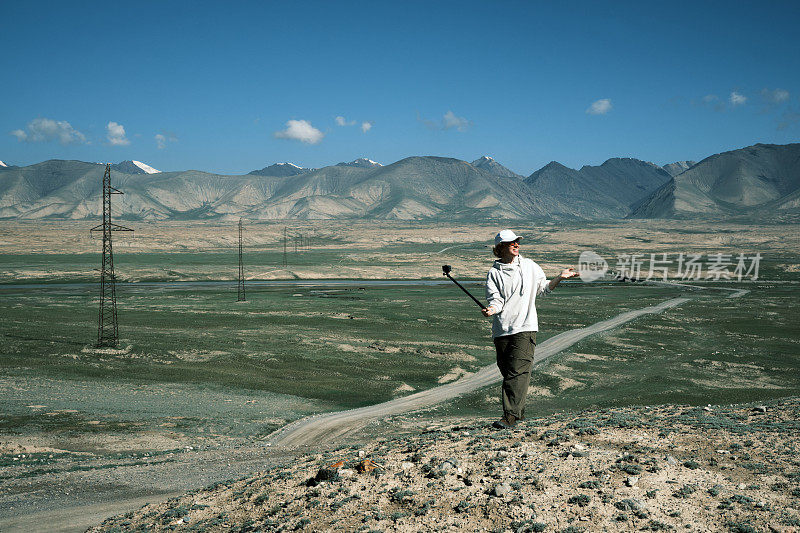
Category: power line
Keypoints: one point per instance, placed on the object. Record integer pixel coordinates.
(241, 296)
(107, 329)
(285, 263)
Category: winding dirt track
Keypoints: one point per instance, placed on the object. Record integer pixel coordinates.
(320, 429)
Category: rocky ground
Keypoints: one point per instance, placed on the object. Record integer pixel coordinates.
(668, 468)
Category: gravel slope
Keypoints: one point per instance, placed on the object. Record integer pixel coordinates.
(668, 468)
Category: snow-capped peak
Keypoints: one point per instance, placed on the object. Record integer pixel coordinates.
(3, 164)
(290, 164)
(370, 162)
(486, 158)
(147, 168)
(361, 162)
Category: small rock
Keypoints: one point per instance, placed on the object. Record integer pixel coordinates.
(741, 486)
(707, 409)
(671, 460)
(723, 451)
(502, 453)
(405, 465)
(324, 474)
(760, 409)
(501, 489)
(631, 481)
(579, 447)
(583, 518)
(361, 454)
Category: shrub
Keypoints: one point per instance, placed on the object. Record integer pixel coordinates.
(582, 500)
(630, 469)
(462, 506)
(684, 492)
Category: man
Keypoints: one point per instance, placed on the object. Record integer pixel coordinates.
(512, 285)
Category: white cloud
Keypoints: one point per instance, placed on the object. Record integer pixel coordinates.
(737, 99)
(599, 107)
(713, 101)
(300, 130)
(116, 134)
(45, 129)
(447, 122)
(366, 126)
(163, 138)
(450, 121)
(776, 96)
(341, 121)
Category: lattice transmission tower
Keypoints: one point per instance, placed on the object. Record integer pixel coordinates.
(241, 297)
(107, 330)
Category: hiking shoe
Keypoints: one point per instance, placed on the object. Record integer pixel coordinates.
(507, 422)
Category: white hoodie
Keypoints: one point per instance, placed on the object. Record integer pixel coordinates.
(511, 289)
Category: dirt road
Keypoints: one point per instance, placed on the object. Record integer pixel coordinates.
(326, 428)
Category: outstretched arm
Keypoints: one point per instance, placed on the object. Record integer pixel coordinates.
(565, 274)
(493, 296)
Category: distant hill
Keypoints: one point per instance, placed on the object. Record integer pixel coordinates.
(134, 167)
(410, 189)
(673, 169)
(29, 191)
(760, 179)
(605, 191)
(361, 162)
(493, 167)
(280, 170)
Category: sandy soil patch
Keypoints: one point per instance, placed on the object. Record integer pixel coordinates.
(454, 374)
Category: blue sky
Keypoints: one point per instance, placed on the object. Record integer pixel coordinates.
(232, 87)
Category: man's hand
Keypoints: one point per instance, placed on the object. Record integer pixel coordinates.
(568, 273)
(487, 311)
(565, 274)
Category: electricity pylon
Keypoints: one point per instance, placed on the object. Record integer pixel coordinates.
(107, 330)
(241, 297)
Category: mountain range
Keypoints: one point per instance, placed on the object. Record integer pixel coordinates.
(749, 181)
(760, 180)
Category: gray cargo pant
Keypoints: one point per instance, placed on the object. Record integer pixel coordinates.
(514, 359)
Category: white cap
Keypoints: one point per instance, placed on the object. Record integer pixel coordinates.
(506, 235)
